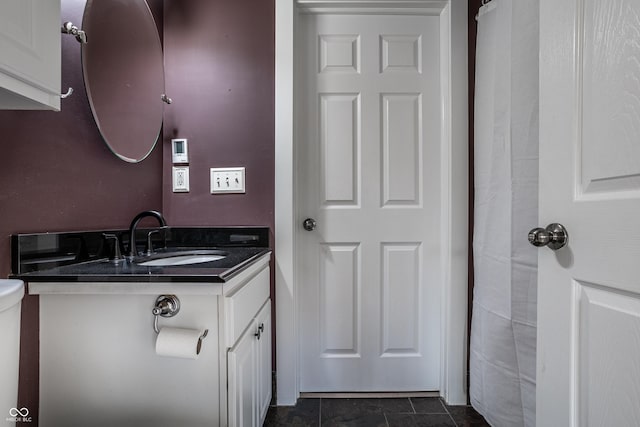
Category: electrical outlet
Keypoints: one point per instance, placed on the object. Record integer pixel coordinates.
(227, 180)
(180, 178)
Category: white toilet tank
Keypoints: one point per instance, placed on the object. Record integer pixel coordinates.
(11, 293)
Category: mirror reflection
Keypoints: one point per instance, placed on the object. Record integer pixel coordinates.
(123, 71)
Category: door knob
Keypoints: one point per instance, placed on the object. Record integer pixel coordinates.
(554, 236)
(309, 224)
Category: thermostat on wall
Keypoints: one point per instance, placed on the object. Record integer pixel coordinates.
(179, 152)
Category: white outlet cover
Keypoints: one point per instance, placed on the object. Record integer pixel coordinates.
(180, 179)
(227, 180)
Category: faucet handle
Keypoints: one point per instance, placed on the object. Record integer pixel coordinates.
(117, 254)
(149, 250)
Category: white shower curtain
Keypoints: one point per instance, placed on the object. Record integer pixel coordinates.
(503, 330)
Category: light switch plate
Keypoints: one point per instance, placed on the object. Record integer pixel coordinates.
(180, 179)
(227, 180)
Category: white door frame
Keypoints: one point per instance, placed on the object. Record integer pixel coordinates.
(455, 173)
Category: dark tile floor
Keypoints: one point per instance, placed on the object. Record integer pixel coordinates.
(395, 412)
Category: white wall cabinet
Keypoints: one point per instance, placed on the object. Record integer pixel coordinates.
(98, 364)
(30, 54)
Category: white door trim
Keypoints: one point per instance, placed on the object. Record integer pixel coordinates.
(455, 172)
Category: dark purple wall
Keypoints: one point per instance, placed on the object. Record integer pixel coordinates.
(220, 71)
(58, 175)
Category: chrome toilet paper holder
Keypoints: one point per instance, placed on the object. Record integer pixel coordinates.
(168, 306)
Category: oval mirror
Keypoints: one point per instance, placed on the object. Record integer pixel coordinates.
(123, 72)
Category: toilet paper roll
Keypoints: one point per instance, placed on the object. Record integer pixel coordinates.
(179, 342)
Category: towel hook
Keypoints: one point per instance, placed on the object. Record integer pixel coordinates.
(66, 95)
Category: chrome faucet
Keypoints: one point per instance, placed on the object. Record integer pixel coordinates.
(133, 251)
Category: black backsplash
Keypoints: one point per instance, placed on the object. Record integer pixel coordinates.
(43, 251)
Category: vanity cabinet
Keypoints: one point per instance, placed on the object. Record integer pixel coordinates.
(248, 320)
(99, 367)
(30, 40)
(249, 370)
(263, 322)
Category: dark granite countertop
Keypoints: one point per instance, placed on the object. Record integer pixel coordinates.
(57, 265)
(103, 270)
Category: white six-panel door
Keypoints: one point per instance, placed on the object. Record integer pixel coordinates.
(589, 292)
(369, 153)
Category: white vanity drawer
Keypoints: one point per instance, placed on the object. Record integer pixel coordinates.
(242, 305)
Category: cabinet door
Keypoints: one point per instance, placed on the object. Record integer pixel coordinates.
(30, 61)
(242, 378)
(263, 320)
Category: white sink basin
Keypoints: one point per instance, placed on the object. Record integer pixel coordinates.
(181, 260)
